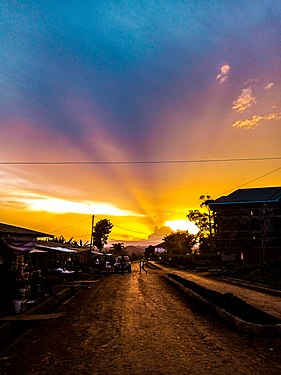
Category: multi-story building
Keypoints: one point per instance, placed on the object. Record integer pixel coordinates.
(248, 225)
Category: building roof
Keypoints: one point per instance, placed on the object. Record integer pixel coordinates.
(56, 248)
(47, 245)
(11, 230)
(162, 244)
(255, 195)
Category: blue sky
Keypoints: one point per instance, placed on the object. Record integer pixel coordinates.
(138, 81)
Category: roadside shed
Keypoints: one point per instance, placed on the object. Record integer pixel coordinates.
(15, 243)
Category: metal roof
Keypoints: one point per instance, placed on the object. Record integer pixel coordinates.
(56, 248)
(7, 229)
(252, 195)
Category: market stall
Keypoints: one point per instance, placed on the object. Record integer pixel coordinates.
(20, 282)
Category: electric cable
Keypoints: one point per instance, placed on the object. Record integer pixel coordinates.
(70, 225)
(249, 182)
(147, 218)
(138, 162)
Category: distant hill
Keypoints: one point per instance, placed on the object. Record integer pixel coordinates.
(138, 250)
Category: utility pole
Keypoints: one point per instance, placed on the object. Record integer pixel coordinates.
(91, 243)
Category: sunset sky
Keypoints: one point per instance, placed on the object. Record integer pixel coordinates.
(131, 110)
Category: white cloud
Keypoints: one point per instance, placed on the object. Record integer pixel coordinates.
(36, 202)
(256, 120)
(268, 85)
(224, 72)
(245, 100)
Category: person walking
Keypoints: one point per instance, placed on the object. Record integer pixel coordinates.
(142, 266)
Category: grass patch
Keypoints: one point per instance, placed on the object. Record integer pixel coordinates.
(270, 276)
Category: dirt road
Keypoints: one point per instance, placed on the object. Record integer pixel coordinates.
(138, 324)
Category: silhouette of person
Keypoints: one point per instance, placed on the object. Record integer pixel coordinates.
(142, 266)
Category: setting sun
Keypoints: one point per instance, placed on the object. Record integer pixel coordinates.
(182, 225)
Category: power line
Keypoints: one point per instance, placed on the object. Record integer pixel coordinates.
(117, 226)
(138, 162)
(150, 217)
(255, 179)
(130, 230)
(246, 183)
(70, 225)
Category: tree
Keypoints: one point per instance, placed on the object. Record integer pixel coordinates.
(101, 232)
(180, 242)
(149, 251)
(75, 243)
(60, 239)
(206, 224)
(118, 249)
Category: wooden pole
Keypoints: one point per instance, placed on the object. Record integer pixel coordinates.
(91, 243)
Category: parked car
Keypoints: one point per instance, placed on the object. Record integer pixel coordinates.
(122, 261)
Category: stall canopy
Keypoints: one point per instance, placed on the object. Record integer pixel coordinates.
(36, 251)
(56, 248)
(96, 253)
(20, 244)
(19, 240)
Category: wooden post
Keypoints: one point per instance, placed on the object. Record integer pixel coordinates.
(91, 243)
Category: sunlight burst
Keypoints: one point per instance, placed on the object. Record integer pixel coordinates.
(176, 225)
